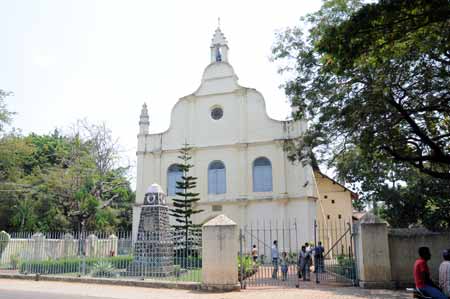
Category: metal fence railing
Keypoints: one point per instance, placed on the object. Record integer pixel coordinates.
(106, 255)
(328, 254)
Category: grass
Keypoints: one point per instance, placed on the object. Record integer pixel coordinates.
(193, 275)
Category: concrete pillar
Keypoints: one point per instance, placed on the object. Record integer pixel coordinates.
(39, 246)
(70, 248)
(113, 245)
(219, 254)
(372, 252)
(4, 240)
(91, 245)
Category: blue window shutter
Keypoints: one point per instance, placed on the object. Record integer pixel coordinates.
(171, 183)
(174, 175)
(221, 181)
(267, 170)
(257, 179)
(211, 181)
(178, 178)
(217, 178)
(262, 175)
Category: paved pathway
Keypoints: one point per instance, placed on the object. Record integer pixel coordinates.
(22, 289)
(263, 277)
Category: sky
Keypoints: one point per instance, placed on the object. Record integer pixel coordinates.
(100, 60)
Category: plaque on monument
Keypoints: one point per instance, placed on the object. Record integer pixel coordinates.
(148, 224)
(153, 250)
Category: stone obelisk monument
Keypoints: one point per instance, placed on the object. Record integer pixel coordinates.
(153, 250)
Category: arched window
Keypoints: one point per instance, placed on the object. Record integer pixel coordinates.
(174, 174)
(262, 175)
(217, 181)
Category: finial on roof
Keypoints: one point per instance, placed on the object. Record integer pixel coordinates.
(218, 38)
(144, 111)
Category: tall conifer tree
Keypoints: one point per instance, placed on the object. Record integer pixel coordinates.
(184, 203)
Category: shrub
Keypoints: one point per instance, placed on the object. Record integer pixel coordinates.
(292, 258)
(345, 266)
(249, 267)
(177, 270)
(72, 265)
(102, 269)
(191, 262)
(15, 261)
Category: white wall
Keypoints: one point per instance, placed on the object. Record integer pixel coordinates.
(244, 133)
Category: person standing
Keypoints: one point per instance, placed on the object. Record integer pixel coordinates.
(275, 257)
(422, 275)
(318, 258)
(304, 261)
(284, 266)
(308, 247)
(254, 253)
(444, 273)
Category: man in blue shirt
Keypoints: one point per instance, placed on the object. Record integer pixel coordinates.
(318, 258)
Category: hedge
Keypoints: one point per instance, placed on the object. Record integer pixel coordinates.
(72, 265)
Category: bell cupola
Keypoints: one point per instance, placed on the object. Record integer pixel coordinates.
(219, 47)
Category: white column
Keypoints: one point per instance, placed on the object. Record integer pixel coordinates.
(219, 254)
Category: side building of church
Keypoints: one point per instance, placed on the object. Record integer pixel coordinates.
(238, 157)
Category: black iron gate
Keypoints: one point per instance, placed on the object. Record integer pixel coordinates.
(338, 261)
(270, 254)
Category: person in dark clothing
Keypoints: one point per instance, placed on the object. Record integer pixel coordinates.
(304, 261)
(319, 266)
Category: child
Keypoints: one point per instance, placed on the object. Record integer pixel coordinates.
(284, 265)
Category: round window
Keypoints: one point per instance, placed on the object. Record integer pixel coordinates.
(216, 113)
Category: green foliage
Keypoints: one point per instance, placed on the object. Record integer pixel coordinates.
(102, 269)
(345, 266)
(177, 270)
(57, 182)
(373, 78)
(292, 258)
(184, 203)
(15, 261)
(73, 265)
(247, 265)
(424, 200)
(398, 193)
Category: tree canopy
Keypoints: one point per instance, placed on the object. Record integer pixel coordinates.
(375, 76)
(372, 79)
(63, 182)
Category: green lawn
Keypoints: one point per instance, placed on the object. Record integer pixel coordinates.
(194, 275)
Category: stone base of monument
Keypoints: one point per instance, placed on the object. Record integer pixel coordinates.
(154, 248)
(152, 257)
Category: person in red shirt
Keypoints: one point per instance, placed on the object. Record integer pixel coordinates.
(422, 275)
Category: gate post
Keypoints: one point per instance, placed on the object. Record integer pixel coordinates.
(316, 272)
(372, 253)
(219, 254)
(241, 259)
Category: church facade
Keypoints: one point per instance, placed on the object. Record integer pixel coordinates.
(237, 153)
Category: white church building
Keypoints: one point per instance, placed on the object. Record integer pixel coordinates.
(238, 157)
